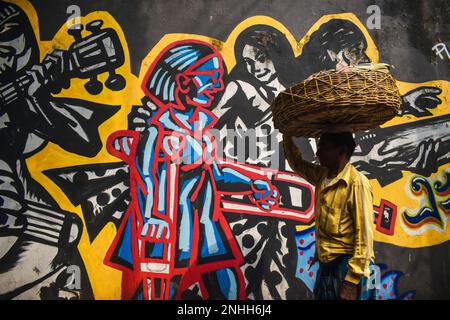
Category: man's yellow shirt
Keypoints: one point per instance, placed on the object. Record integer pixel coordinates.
(343, 213)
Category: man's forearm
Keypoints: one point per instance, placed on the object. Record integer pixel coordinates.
(358, 265)
(303, 168)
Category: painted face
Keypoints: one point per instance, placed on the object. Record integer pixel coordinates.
(356, 55)
(18, 49)
(14, 51)
(258, 64)
(350, 56)
(207, 77)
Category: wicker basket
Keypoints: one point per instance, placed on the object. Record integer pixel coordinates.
(362, 98)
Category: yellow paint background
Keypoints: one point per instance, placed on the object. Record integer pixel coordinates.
(105, 281)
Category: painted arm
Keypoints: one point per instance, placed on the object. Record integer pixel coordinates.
(261, 192)
(230, 179)
(154, 226)
(225, 104)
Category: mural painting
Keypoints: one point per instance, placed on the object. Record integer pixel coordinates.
(123, 186)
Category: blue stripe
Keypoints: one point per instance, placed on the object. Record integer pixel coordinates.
(166, 87)
(158, 88)
(232, 295)
(172, 91)
(180, 48)
(184, 58)
(125, 146)
(184, 65)
(125, 246)
(162, 190)
(179, 54)
(154, 78)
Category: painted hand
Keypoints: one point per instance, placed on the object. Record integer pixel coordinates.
(56, 68)
(154, 229)
(265, 195)
(138, 117)
(381, 157)
(37, 79)
(12, 221)
(51, 74)
(426, 161)
(417, 102)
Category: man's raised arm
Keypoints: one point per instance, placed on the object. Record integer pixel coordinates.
(309, 171)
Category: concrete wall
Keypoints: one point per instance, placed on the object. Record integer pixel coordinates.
(79, 113)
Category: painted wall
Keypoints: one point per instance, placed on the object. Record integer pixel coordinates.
(91, 207)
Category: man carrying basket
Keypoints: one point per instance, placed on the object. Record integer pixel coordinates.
(331, 105)
(344, 216)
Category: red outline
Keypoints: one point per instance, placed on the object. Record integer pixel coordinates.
(134, 277)
(379, 209)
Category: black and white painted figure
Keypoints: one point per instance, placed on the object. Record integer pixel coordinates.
(36, 236)
(336, 44)
(265, 66)
(102, 190)
(381, 153)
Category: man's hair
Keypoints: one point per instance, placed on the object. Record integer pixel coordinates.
(341, 139)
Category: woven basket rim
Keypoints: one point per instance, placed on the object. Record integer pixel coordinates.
(340, 95)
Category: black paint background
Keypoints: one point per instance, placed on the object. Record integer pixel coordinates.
(409, 28)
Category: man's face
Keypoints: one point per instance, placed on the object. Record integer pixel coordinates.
(328, 153)
(258, 64)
